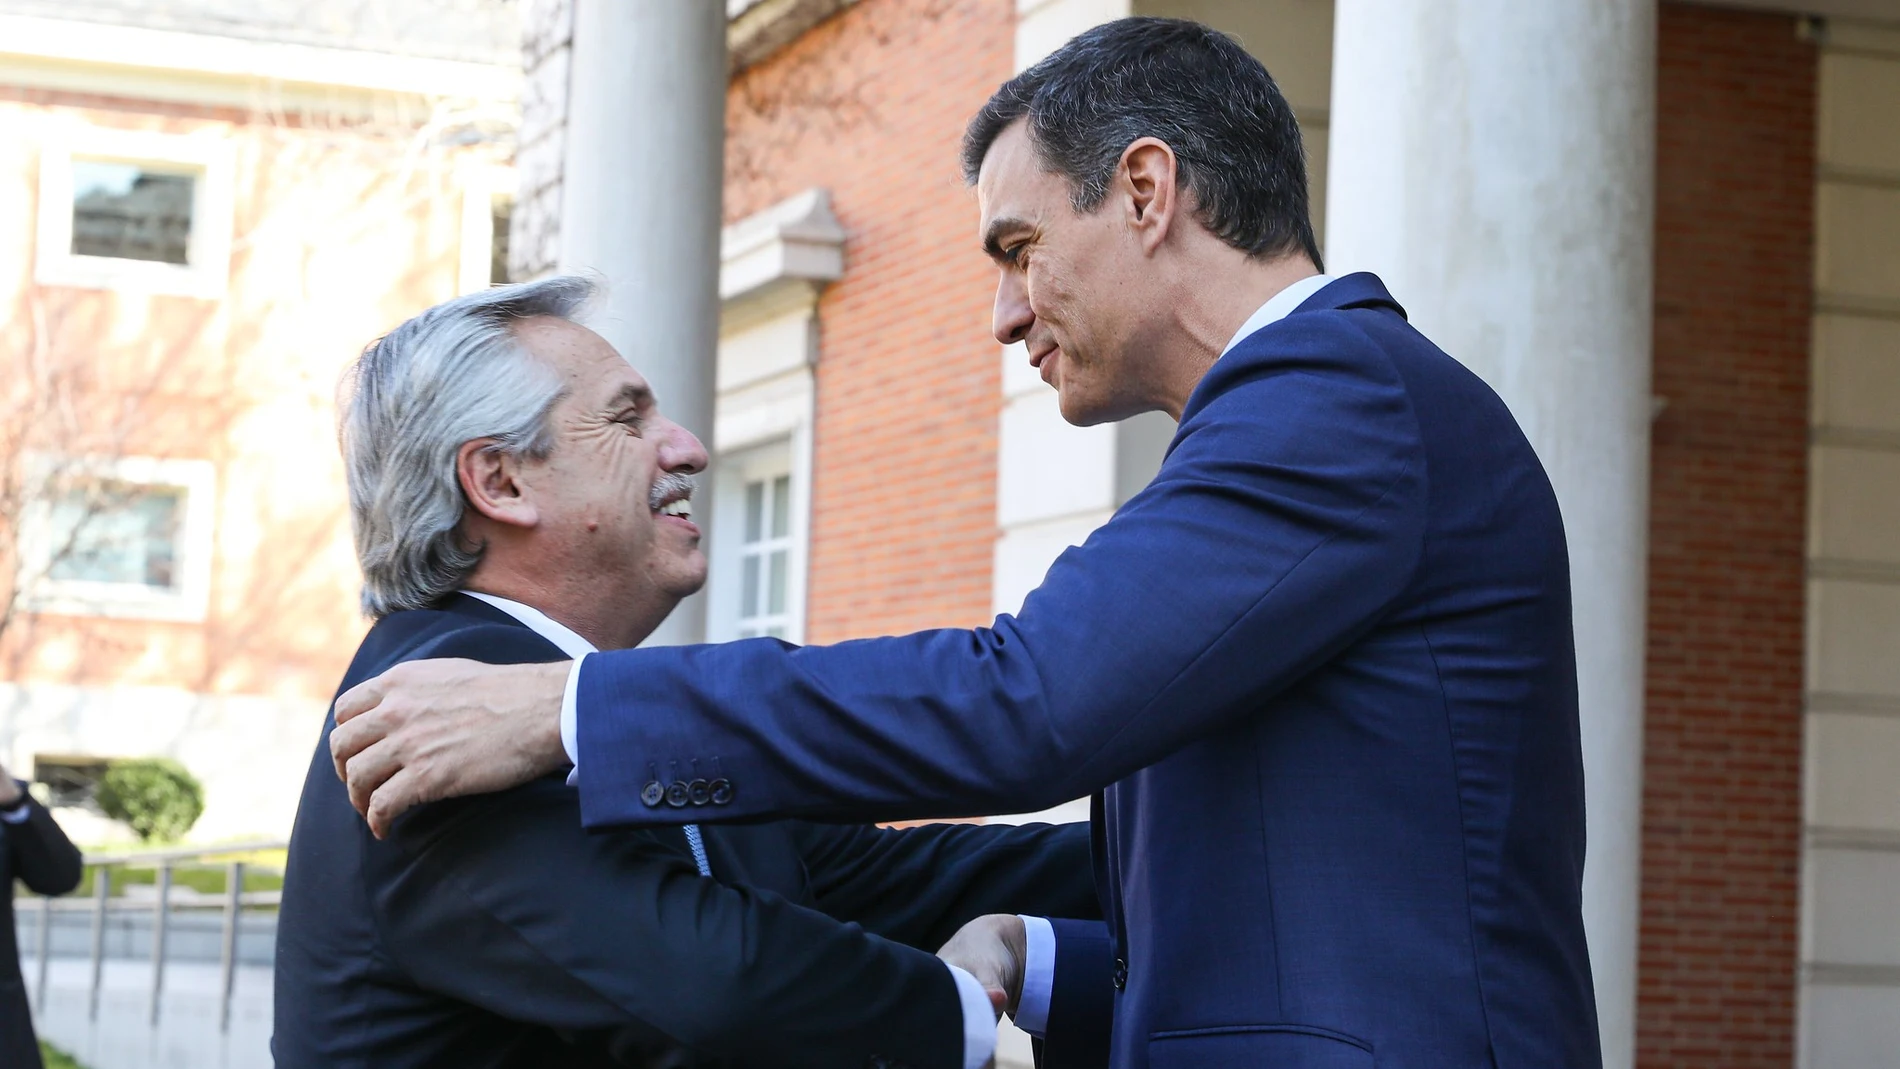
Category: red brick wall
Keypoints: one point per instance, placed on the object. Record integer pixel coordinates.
(1722, 807)
(871, 105)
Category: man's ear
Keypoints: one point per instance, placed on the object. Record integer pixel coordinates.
(491, 480)
(1147, 181)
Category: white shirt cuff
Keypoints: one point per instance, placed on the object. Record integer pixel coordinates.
(1039, 975)
(569, 738)
(979, 1020)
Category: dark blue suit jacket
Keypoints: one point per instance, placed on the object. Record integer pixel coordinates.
(494, 932)
(1321, 672)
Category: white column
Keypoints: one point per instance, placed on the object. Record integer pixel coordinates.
(644, 165)
(1492, 160)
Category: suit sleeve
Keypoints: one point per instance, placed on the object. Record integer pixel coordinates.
(502, 901)
(1082, 1001)
(919, 885)
(43, 858)
(1287, 517)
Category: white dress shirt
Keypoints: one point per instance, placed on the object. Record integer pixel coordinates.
(1039, 960)
(979, 1020)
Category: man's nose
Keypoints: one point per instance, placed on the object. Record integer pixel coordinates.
(1012, 318)
(681, 451)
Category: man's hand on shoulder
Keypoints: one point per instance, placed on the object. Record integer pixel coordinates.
(428, 730)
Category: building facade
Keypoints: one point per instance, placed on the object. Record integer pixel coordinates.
(208, 210)
(1668, 233)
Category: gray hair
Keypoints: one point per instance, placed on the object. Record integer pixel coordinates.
(447, 377)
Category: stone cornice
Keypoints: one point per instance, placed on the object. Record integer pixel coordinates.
(779, 257)
(755, 29)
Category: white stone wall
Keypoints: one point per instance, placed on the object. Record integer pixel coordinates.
(250, 751)
(1851, 892)
(547, 35)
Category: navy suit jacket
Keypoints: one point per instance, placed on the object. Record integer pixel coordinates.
(1320, 671)
(494, 931)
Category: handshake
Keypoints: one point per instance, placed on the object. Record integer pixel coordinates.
(992, 948)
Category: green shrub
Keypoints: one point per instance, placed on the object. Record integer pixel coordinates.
(154, 796)
(56, 1058)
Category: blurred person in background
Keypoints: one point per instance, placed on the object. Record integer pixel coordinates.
(34, 851)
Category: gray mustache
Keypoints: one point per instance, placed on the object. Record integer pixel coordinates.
(671, 484)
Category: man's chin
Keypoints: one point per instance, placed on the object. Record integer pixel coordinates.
(1082, 411)
(687, 576)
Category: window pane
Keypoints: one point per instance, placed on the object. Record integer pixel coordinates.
(749, 596)
(776, 632)
(782, 506)
(114, 533)
(126, 212)
(754, 510)
(775, 598)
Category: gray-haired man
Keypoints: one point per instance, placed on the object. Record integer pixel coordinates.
(518, 496)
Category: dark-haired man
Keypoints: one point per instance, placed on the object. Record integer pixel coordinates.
(1319, 673)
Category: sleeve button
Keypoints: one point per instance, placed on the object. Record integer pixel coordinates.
(676, 794)
(699, 792)
(721, 791)
(652, 794)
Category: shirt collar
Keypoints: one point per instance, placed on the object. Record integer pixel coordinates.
(1278, 307)
(541, 624)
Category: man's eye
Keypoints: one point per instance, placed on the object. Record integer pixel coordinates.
(631, 422)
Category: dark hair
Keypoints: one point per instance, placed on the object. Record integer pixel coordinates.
(1234, 137)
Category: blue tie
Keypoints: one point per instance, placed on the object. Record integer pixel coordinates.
(698, 846)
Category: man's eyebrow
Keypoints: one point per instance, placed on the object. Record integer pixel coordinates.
(630, 396)
(993, 236)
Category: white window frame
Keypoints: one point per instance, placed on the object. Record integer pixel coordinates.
(726, 586)
(186, 601)
(209, 157)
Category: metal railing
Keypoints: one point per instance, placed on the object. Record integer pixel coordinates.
(164, 904)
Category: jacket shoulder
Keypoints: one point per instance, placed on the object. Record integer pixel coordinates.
(420, 634)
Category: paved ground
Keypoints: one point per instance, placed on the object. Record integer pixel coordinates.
(187, 1036)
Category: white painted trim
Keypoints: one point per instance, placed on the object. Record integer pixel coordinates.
(67, 597)
(762, 414)
(774, 264)
(211, 57)
(210, 157)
